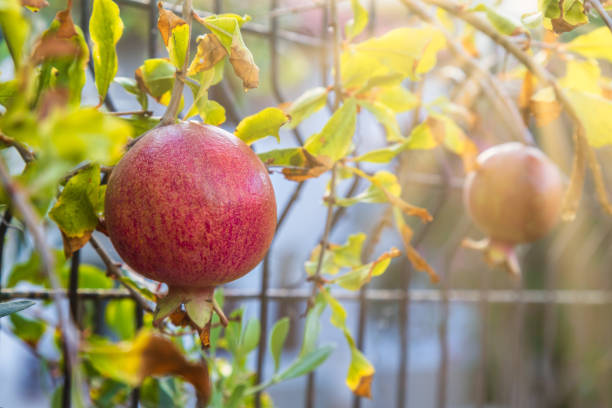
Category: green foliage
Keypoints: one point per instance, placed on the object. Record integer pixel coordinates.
(335, 139)
(14, 306)
(106, 28)
(264, 123)
(80, 204)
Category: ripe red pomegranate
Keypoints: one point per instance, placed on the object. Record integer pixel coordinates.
(514, 196)
(190, 205)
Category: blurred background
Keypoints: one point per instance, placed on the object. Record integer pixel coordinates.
(543, 342)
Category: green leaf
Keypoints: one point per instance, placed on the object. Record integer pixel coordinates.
(386, 117)
(156, 77)
(199, 310)
(308, 103)
(359, 21)
(14, 306)
(250, 336)
(266, 122)
(337, 256)
(312, 326)
(335, 139)
(8, 92)
(278, 335)
(306, 363)
(358, 277)
(75, 211)
(27, 330)
(105, 27)
(407, 52)
(15, 28)
(62, 54)
(130, 85)
(119, 319)
(360, 371)
(236, 398)
(502, 23)
(224, 26)
(88, 134)
(374, 194)
(396, 97)
(550, 8)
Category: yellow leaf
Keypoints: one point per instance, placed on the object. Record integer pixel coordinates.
(582, 76)
(405, 51)
(595, 112)
(175, 33)
(595, 44)
(544, 106)
(147, 355)
(413, 256)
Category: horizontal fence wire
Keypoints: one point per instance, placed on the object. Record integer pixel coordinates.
(568, 297)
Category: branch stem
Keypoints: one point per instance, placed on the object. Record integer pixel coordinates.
(26, 212)
(114, 271)
(171, 113)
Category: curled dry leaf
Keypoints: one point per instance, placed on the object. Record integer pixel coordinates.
(58, 43)
(167, 22)
(34, 5)
(417, 261)
(208, 53)
(243, 63)
(148, 355)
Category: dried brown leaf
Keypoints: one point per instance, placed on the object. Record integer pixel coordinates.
(166, 22)
(34, 5)
(73, 244)
(414, 257)
(364, 388)
(208, 53)
(243, 63)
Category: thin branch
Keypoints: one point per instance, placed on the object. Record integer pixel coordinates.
(146, 113)
(169, 116)
(24, 209)
(26, 154)
(508, 109)
(73, 172)
(540, 72)
(328, 222)
(337, 43)
(114, 271)
(602, 13)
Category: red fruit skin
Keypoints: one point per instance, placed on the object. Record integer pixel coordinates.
(515, 195)
(190, 205)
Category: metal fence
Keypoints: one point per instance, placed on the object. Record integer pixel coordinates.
(402, 297)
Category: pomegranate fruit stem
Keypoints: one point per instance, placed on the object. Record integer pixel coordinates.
(171, 113)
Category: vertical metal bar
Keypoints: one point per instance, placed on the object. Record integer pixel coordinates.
(404, 335)
(73, 286)
(138, 319)
(481, 392)
(517, 386)
(363, 304)
(6, 221)
(265, 271)
(443, 337)
(152, 38)
(73, 300)
(85, 22)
